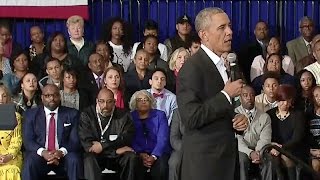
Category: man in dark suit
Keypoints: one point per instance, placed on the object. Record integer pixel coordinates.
(106, 134)
(204, 99)
(257, 47)
(93, 80)
(50, 137)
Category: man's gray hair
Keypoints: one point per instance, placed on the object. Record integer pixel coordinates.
(203, 19)
(303, 19)
(133, 100)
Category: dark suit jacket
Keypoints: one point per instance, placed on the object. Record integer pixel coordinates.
(209, 146)
(89, 85)
(121, 125)
(133, 83)
(34, 129)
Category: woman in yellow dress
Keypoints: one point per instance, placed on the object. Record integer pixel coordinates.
(10, 145)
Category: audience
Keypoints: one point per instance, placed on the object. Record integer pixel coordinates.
(165, 100)
(314, 68)
(50, 139)
(53, 69)
(29, 96)
(11, 141)
(301, 47)
(151, 28)
(183, 27)
(151, 140)
(77, 45)
(37, 45)
(305, 84)
(119, 35)
(309, 59)
(109, 145)
(71, 95)
(5, 67)
(194, 43)
(7, 40)
(257, 135)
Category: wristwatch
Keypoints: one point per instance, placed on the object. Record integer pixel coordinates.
(154, 157)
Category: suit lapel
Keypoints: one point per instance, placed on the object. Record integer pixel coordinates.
(41, 118)
(302, 46)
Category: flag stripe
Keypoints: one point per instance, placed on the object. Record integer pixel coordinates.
(48, 12)
(43, 2)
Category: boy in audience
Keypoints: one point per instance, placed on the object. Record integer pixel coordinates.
(165, 99)
(53, 69)
(194, 44)
(267, 99)
(257, 135)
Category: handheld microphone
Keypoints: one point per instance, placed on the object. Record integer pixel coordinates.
(232, 59)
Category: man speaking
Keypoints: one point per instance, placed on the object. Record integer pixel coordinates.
(204, 100)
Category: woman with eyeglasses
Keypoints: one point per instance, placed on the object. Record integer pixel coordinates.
(10, 146)
(151, 140)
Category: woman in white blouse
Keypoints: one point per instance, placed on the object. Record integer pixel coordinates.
(259, 61)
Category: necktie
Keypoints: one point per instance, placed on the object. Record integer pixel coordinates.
(250, 115)
(309, 49)
(157, 95)
(52, 133)
(98, 82)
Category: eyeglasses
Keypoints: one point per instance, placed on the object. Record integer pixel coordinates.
(143, 100)
(306, 26)
(50, 95)
(102, 101)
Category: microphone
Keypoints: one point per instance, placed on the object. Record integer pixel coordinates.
(232, 59)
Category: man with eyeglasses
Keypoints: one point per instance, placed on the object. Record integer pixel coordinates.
(106, 134)
(50, 138)
(301, 46)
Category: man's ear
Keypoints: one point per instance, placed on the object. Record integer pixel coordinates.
(150, 82)
(203, 35)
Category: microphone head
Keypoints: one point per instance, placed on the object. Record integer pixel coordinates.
(232, 57)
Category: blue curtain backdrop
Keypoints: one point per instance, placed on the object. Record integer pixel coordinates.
(282, 17)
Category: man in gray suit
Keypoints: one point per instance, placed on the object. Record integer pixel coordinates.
(301, 47)
(257, 135)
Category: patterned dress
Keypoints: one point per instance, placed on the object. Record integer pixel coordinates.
(10, 143)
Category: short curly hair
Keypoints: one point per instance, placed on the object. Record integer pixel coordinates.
(133, 100)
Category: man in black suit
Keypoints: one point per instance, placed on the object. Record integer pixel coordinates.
(255, 48)
(204, 100)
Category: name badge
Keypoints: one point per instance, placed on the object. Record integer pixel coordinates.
(113, 137)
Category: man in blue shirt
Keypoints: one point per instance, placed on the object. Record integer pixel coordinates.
(165, 99)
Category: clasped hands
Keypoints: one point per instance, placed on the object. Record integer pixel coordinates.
(147, 160)
(52, 157)
(5, 158)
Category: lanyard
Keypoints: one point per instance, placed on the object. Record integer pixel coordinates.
(107, 126)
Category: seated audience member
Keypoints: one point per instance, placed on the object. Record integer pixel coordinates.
(273, 64)
(19, 64)
(6, 39)
(165, 100)
(177, 130)
(118, 34)
(37, 45)
(257, 46)
(183, 27)
(274, 47)
(178, 57)
(113, 80)
(105, 50)
(71, 95)
(151, 140)
(11, 141)
(301, 47)
(138, 78)
(5, 67)
(108, 146)
(288, 131)
(53, 69)
(56, 48)
(77, 45)
(50, 139)
(194, 43)
(314, 68)
(305, 83)
(93, 79)
(151, 28)
(257, 135)
(29, 96)
(309, 59)
(314, 121)
(267, 99)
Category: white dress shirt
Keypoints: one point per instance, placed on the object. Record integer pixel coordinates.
(219, 63)
(48, 116)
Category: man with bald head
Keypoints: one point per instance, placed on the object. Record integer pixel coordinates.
(106, 134)
(257, 135)
(50, 137)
